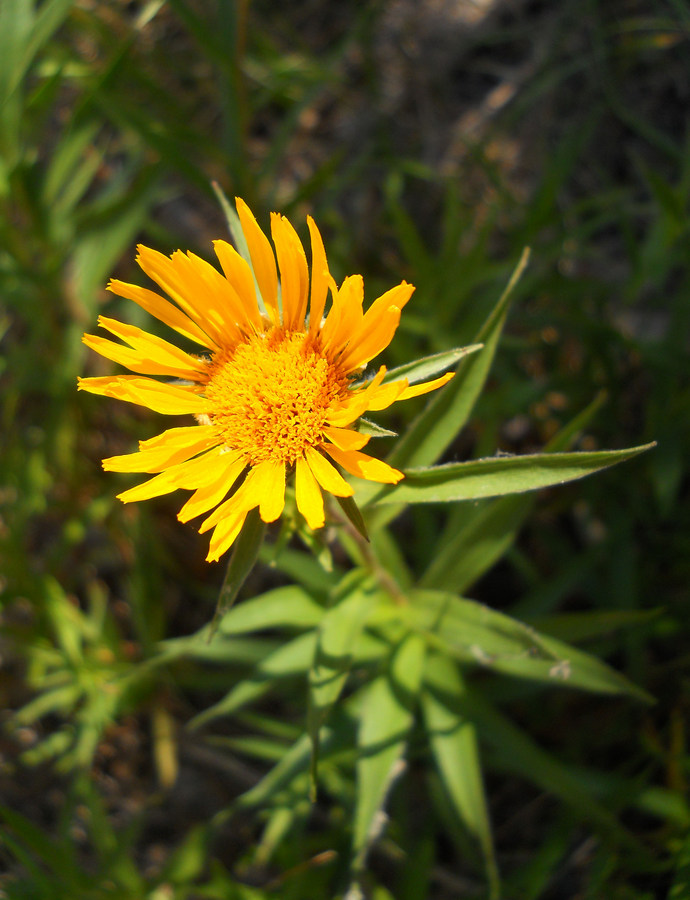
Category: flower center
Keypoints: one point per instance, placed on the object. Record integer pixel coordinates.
(271, 395)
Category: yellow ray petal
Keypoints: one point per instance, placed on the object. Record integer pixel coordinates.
(270, 489)
(416, 390)
(386, 395)
(240, 276)
(376, 321)
(154, 487)
(222, 297)
(168, 399)
(364, 346)
(153, 346)
(356, 403)
(135, 360)
(156, 459)
(294, 274)
(346, 438)
(243, 499)
(179, 437)
(189, 474)
(345, 316)
(225, 534)
(363, 466)
(212, 294)
(327, 475)
(174, 278)
(210, 495)
(263, 259)
(319, 278)
(99, 384)
(308, 495)
(163, 310)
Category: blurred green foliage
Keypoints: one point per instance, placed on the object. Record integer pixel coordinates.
(139, 759)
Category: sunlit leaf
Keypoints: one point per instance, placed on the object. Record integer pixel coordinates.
(500, 475)
(386, 718)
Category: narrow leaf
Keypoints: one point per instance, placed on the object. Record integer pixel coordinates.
(429, 366)
(453, 740)
(386, 719)
(434, 430)
(517, 752)
(474, 633)
(338, 635)
(290, 659)
(476, 537)
(500, 475)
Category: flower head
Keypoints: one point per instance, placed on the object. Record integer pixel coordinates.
(276, 388)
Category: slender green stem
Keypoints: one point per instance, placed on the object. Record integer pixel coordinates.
(382, 575)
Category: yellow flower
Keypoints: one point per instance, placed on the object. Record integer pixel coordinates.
(272, 391)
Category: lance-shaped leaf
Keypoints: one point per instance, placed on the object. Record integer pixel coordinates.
(288, 660)
(516, 752)
(477, 536)
(474, 633)
(453, 740)
(500, 475)
(447, 413)
(338, 635)
(284, 607)
(386, 718)
(435, 429)
(428, 366)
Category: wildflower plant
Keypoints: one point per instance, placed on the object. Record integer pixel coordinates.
(279, 385)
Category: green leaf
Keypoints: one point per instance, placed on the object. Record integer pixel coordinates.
(351, 510)
(58, 857)
(244, 555)
(475, 538)
(582, 626)
(453, 740)
(291, 768)
(288, 660)
(338, 635)
(188, 861)
(429, 366)
(516, 752)
(435, 429)
(387, 716)
(283, 607)
(302, 568)
(446, 414)
(680, 889)
(476, 634)
(500, 475)
(364, 426)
